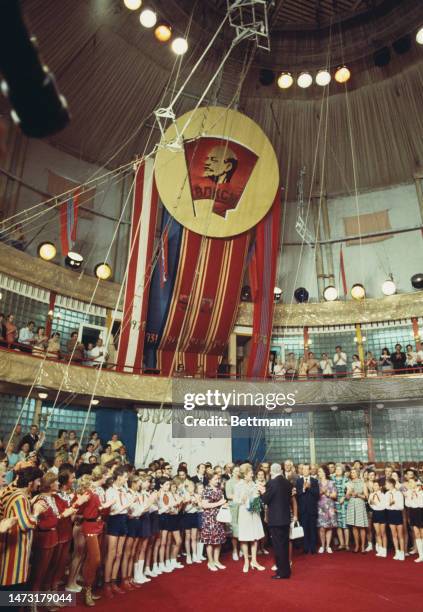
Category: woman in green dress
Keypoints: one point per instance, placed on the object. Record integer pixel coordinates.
(234, 508)
(341, 481)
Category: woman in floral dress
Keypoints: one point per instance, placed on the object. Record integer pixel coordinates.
(212, 532)
(341, 482)
(326, 511)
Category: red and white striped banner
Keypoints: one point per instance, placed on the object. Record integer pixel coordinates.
(143, 226)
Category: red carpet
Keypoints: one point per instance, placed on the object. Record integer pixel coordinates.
(342, 582)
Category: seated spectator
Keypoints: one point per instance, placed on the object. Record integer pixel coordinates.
(96, 442)
(76, 350)
(312, 365)
(398, 359)
(24, 452)
(61, 444)
(278, 369)
(93, 460)
(180, 371)
(53, 346)
(370, 364)
(11, 330)
(291, 366)
(115, 443)
(385, 362)
(26, 335)
(95, 354)
(108, 455)
(72, 439)
(89, 452)
(32, 438)
(340, 362)
(326, 366)
(58, 461)
(73, 453)
(88, 355)
(3, 331)
(302, 367)
(410, 358)
(40, 342)
(121, 456)
(12, 456)
(357, 368)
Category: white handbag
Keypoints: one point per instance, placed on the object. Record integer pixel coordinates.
(224, 515)
(296, 531)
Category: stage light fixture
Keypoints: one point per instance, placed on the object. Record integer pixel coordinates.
(132, 5)
(73, 260)
(389, 287)
(179, 46)
(323, 78)
(382, 57)
(95, 402)
(301, 295)
(330, 293)
(285, 80)
(334, 408)
(380, 406)
(246, 294)
(148, 18)
(103, 271)
(163, 31)
(266, 77)
(304, 80)
(277, 294)
(417, 281)
(43, 395)
(342, 74)
(358, 292)
(402, 45)
(47, 251)
(419, 36)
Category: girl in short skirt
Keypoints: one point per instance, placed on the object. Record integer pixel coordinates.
(394, 500)
(190, 522)
(175, 540)
(414, 502)
(152, 555)
(166, 504)
(117, 526)
(132, 539)
(377, 504)
(144, 529)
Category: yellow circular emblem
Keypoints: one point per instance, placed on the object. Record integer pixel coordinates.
(221, 177)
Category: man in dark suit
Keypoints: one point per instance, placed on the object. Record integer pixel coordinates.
(277, 495)
(308, 496)
(200, 475)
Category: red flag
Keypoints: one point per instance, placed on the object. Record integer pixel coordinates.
(342, 272)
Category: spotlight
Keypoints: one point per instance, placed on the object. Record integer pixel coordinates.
(285, 80)
(334, 408)
(419, 36)
(304, 80)
(417, 281)
(148, 18)
(358, 292)
(163, 31)
(382, 57)
(323, 78)
(47, 251)
(73, 260)
(179, 46)
(103, 271)
(246, 294)
(132, 5)
(330, 293)
(389, 287)
(380, 406)
(266, 77)
(277, 294)
(43, 396)
(301, 295)
(402, 45)
(342, 74)
(95, 402)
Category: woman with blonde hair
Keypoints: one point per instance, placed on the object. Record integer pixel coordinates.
(250, 527)
(190, 522)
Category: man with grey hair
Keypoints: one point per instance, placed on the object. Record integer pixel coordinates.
(277, 495)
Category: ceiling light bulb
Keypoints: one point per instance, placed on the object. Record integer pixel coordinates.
(163, 32)
(342, 75)
(47, 251)
(419, 36)
(323, 78)
(389, 287)
(304, 80)
(148, 18)
(285, 80)
(43, 396)
(179, 46)
(330, 293)
(132, 5)
(358, 292)
(103, 271)
(95, 402)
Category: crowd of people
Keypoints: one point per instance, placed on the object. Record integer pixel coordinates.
(105, 527)
(341, 366)
(35, 340)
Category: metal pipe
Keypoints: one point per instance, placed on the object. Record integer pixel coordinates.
(404, 230)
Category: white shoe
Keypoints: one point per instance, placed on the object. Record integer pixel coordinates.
(156, 570)
(73, 588)
(321, 550)
(245, 568)
(419, 546)
(164, 568)
(274, 568)
(235, 556)
(189, 560)
(377, 548)
(329, 550)
(219, 565)
(401, 556)
(383, 553)
(149, 572)
(396, 556)
(369, 547)
(212, 568)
